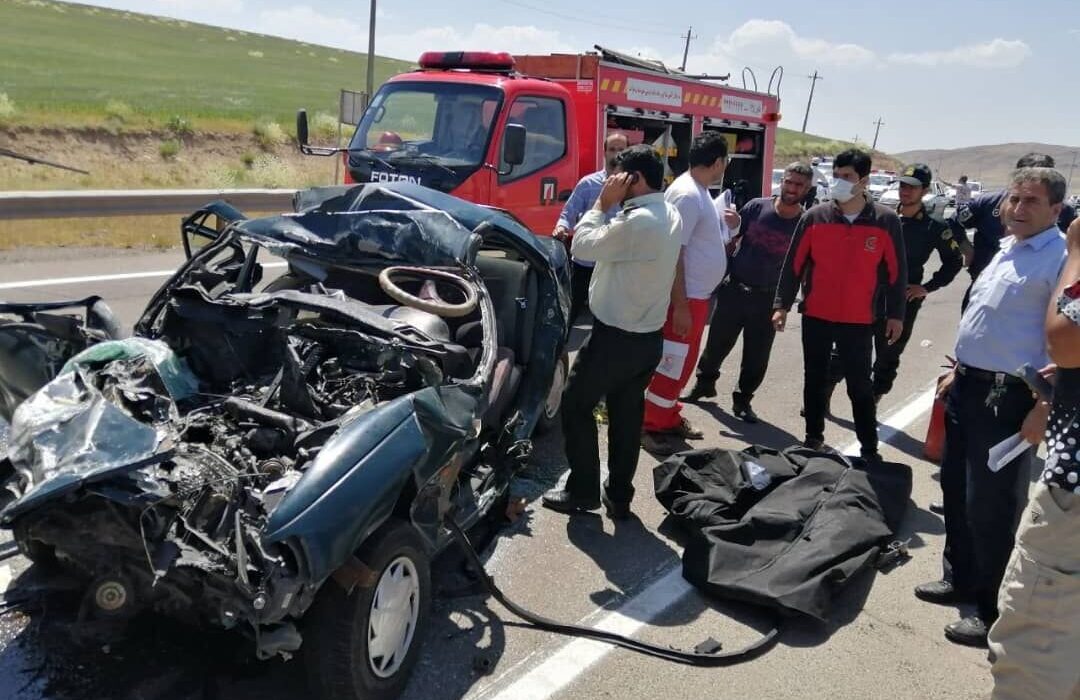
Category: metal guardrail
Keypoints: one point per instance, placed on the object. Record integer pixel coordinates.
(71, 204)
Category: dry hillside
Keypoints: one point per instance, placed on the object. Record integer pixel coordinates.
(991, 165)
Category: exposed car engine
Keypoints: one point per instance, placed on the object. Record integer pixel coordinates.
(272, 388)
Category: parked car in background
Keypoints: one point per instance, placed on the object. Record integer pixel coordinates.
(935, 198)
(822, 183)
(879, 182)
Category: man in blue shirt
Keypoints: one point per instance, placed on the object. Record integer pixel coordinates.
(986, 402)
(983, 213)
(581, 200)
(1036, 641)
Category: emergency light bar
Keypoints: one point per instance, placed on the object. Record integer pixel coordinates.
(469, 60)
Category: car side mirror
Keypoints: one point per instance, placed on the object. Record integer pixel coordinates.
(301, 128)
(513, 152)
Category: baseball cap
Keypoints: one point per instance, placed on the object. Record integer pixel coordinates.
(916, 175)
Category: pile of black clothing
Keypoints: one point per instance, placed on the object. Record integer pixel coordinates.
(786, 530)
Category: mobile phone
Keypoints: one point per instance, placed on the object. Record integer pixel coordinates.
(1036, 382)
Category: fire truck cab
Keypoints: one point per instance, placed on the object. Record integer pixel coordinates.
(455, 125)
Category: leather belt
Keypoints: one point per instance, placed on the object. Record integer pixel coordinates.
(750, 288)
(987, 375)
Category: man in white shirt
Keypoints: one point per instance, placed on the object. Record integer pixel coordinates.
(702, 266)
(635, 256)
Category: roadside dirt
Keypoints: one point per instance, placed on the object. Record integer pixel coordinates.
(133, 160)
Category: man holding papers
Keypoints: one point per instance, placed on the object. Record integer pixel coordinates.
(987, 401)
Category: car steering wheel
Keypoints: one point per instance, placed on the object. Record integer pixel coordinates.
(434, 306)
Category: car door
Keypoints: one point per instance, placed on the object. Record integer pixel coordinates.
(535, 190)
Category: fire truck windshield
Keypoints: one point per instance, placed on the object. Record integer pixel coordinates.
(447, 125)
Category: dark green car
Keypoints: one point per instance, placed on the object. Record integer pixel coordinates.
(300, 409)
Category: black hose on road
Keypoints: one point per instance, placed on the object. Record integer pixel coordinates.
(692, 658)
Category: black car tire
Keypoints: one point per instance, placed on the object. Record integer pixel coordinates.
(549, 413)
(336, 628)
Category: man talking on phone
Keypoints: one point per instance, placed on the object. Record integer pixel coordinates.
(635, 256)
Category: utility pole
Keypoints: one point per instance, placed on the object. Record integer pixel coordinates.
(813, 81)
(876, 132)
(371, 53)
(686, 49)
(1071, 167)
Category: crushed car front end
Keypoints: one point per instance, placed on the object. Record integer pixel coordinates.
(230, 459)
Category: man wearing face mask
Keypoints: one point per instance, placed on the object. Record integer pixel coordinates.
(702, 266)
(581, 200)
(635, 256)
(842, 251)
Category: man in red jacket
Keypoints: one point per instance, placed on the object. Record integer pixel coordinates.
(842, 253)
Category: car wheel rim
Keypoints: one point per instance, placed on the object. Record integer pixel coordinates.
(395, 609)
(558, 383)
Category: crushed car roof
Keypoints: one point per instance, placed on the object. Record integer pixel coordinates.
(396, 222)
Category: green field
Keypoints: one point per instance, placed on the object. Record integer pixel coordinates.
(63, 64)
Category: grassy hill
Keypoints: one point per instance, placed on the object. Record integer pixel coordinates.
(991, 165)
(68, 64)
(795, 145)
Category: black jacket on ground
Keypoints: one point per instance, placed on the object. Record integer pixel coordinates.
(786, 530)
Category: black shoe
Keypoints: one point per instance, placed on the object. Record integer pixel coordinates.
(659, 444)
(701, 390)
(563, 501)
(939, 593)
(813, 444)
(616, 511)
(970, 631)
(743, 412)
(937, 507)
(871, 457)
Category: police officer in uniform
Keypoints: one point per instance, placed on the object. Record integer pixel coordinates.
(923, 235)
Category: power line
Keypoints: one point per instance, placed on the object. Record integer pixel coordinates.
(593, 22)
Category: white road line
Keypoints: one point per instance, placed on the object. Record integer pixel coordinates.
(56, 281)
(573, 658)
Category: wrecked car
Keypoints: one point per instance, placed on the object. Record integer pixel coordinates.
(301, 407)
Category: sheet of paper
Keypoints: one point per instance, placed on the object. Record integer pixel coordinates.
(1006, 451)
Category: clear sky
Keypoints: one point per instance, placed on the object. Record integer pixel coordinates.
(941, 74)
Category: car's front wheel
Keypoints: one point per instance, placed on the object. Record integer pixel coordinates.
(363, 645)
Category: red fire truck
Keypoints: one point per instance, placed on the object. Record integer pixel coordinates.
(517, 132)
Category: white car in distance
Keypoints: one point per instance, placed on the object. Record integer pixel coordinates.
(934, 200)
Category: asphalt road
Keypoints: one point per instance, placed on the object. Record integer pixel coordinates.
(881, 640)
